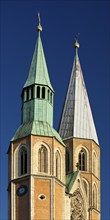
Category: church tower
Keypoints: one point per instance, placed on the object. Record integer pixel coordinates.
(36, 156)
(78, 132)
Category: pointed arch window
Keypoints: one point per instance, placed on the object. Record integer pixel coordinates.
(85, 186)
(67, 161)
(38, 91)
(23, 160)
(82, 158)
(43, 92)
(94, 196)
(58, 165)
(43, 160)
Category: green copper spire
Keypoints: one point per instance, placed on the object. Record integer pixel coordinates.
(37, 98)
(38, 73)
(37, 91)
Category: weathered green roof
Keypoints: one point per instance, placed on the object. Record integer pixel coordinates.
(38, 73)
(36, 128)
(70, 179)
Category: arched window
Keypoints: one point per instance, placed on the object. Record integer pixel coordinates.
(94, 163)
(82, 158)
(58, 165)
(67, 161)
(22, 161)
(85, 186)
(43, 92)
(38, 91)
(43, 160)
(94, 196)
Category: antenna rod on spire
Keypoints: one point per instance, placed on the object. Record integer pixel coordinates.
(39, 17)
(39, 27)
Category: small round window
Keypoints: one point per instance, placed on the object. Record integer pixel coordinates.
(42, 197)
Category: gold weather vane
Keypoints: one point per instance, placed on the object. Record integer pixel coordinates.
(39, 27)
(76, 45)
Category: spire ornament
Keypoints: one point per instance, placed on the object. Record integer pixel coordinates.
(76, 45)
(39, 27)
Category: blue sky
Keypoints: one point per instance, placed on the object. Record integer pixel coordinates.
(61, 20)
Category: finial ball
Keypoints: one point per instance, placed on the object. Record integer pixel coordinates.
(39, 28)
(76, 45)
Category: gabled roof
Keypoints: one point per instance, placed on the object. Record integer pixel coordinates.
(77, 120)
(70, 179)
(38, 73)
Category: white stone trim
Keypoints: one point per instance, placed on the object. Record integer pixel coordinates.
(13, 211)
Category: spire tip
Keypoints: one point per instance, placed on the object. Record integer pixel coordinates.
(76, 45)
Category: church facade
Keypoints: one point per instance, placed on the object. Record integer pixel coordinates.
(54, 175)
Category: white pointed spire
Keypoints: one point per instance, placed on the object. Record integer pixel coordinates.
(77, 120)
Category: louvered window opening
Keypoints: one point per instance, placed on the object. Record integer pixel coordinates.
(38, 92)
